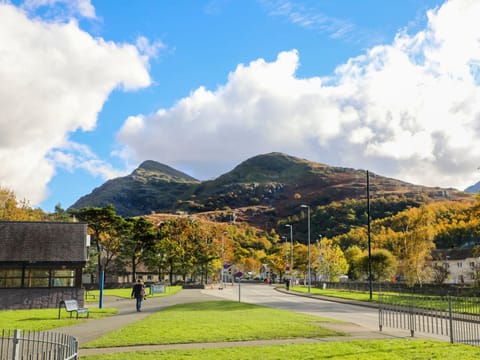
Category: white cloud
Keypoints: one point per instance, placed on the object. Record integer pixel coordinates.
(54, 80)
(63, 8)
(73, 156)
(409, 109)
(297, 13)
(145, 46)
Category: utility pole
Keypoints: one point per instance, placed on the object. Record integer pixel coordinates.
(369, 245)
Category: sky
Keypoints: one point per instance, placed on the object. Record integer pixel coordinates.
(90, 89)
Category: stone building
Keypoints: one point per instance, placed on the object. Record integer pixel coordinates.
(41, 263)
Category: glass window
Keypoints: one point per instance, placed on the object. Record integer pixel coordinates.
(36, 278)
(63, 278)
(44, 278)
(10, 278)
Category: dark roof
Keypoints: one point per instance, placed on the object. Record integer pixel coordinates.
(42, 241)
(452, 254)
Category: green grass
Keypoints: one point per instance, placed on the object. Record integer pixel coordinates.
(126, 293)
(438, 303)
(215, 321)
(344, 294)
(359, 350)
(45, 319)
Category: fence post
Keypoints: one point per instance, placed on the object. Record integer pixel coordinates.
(16, 346)
(380, 311)
(450, 317)
(411, 317)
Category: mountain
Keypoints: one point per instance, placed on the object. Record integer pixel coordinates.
(151, 187)
(260, 190)
(474, 189)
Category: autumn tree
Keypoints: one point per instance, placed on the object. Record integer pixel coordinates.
(330, 260)
(13, 210)
(414, 243)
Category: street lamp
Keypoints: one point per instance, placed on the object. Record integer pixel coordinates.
(286, 250)
(291, 249)
(308, 252)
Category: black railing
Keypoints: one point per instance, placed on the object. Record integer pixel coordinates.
(403, 288)
(455, 317)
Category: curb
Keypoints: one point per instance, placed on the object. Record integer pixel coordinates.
(328, 298)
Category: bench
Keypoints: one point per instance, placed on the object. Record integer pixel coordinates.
(71, 306)
(87, 294)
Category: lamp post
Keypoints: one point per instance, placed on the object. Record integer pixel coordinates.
(286, 253)
(309, 280)
(369, 241)
(320, 258)
(291, 249)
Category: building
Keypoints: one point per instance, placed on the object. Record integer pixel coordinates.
(41, 263)
(461, 265)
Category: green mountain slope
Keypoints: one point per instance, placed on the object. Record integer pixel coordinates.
(261, 190)
(152, 187)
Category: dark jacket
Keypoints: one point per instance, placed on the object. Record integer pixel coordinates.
(138, 290)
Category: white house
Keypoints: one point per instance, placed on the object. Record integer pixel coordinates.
(461, 265)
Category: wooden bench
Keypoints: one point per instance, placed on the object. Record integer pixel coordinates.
(71, 306)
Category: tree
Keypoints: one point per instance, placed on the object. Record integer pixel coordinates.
(185, 246)
(331, 260)
(439, 274)
(13, 210)
(139, 238)
(383, 265)
(102, 224)
(415, 244)
(353, 255)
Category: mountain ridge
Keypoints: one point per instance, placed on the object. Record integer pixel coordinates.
(275, 184)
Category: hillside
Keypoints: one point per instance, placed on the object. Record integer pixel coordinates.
(474, 189)
(151, 187)
(261, 190)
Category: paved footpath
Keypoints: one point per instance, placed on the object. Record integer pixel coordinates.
(127, 314)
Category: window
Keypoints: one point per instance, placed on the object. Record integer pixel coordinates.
(10, 278)
(65, 278)
(37, 278)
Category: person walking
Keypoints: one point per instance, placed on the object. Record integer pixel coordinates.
(138, 292)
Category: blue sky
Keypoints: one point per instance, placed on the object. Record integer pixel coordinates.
(90, 89)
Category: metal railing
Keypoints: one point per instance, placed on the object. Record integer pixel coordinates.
(45, 345)
(455, 317)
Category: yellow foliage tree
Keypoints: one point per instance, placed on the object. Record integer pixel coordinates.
(13, 210)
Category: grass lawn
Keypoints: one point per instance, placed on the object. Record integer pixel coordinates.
(344, 294)
(350, 350)
(215, 321)
(93, 295)
(45, 319)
